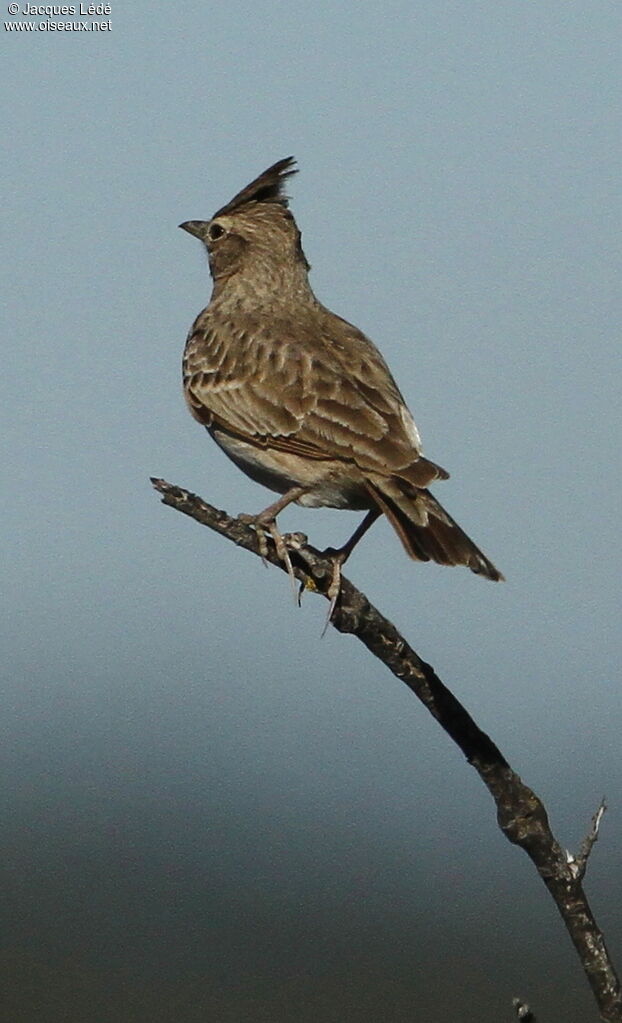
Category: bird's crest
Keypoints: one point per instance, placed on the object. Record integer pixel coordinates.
(268, 187)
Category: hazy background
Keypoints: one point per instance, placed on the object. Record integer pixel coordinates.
(208, 812)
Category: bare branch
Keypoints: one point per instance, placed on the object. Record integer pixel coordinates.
(520, 813)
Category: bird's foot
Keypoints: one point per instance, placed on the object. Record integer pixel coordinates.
(283, 554)
(334, 587)
(259, 527)
(263, 526)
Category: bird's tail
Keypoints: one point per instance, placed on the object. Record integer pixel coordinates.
(427, 532)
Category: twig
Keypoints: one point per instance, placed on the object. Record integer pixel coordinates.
(520, 813)
(578, 863)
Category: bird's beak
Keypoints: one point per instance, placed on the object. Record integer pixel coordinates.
(195, 227)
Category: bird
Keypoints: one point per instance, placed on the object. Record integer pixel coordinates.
(299, 398)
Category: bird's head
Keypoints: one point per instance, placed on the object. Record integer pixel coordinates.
(254, 236)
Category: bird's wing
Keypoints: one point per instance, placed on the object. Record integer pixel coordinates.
(328, 394)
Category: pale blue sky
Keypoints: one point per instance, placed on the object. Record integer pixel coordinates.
(189, 768)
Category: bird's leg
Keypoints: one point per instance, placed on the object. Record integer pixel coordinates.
(265, 522)
(339, 557)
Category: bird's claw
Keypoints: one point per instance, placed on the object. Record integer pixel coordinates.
(260, 530)
(283, 555)
(263, 527)
(333, 591)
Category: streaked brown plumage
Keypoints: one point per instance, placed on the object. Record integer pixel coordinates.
(299, 398)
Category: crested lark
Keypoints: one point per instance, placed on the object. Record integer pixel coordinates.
(300, 399)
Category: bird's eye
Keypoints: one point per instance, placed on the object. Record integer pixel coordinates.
(215, 232)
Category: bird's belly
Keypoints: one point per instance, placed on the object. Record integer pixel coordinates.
(332, 484)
